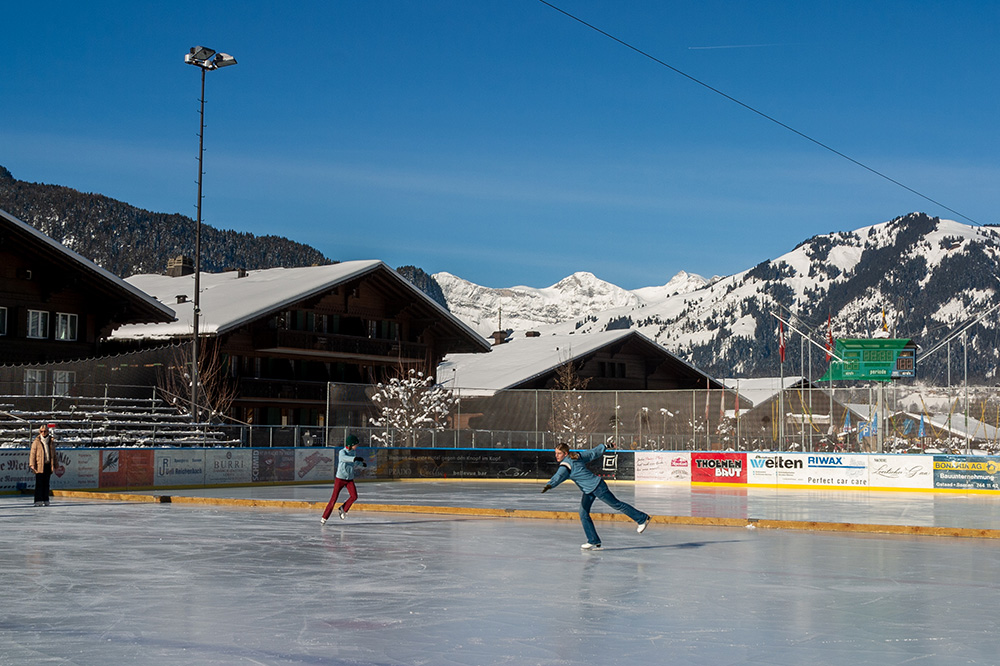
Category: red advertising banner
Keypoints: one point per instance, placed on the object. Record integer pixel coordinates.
(126, 468)
(719, 467)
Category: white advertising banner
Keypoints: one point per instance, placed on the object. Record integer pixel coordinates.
(663, 466)
(807, 469)
(901, 471)
(315, 464)
(179, 467)
(14, 470)
(224, 466)
(77, 469)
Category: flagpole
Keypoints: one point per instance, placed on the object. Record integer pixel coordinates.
(781, 386)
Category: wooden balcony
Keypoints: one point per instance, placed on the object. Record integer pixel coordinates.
(307, 343)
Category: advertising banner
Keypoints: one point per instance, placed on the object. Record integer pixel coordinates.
(270, 465)
(833, 469)
(970, 472)
(483, 464)
(227, 466)
(77, 469)
(899, 471)
(775, 468)
(179, 467)
(320, 464)
(14, 470)
(719, 467)
(663, 466)
(126, 468)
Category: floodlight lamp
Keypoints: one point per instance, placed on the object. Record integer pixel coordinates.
(222, 60)
(199, 53)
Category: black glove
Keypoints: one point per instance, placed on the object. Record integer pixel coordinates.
(547, 488)
(359, 459)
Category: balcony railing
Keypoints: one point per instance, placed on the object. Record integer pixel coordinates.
(282, 389)
(339, 344)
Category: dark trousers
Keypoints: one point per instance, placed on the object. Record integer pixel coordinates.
(42, 484)
(339, 484)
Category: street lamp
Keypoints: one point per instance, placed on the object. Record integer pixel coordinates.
(206, 59)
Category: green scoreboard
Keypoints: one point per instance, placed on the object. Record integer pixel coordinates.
(878, 359)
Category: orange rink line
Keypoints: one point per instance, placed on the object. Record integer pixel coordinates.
(748, 523)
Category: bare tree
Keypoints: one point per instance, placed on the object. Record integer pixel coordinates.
(218, 388)
(571, 420)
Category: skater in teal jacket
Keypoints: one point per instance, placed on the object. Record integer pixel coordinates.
(347, 462)
(573, 466)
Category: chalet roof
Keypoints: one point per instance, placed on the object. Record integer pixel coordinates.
(523, 359)
(760, 390)
(229, 301)
(140, 306)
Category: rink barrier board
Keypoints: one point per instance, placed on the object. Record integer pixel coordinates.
(481, 512)
(134, 469)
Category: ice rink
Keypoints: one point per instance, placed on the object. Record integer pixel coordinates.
(90, 581)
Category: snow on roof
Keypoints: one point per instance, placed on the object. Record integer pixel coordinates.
(87, 264)
(522, 359)
(760, 390)
(938, 424)
(229, 301)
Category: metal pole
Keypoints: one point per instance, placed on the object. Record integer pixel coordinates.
(197, 256)
(965, 352)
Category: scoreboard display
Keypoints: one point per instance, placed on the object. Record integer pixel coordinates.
(879, 359)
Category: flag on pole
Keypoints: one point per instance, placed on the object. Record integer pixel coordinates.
(781, 340)
(708, 394)
(847, 421)
(829, 338)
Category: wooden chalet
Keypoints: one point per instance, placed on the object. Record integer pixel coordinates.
(284, 333)
(56, 305)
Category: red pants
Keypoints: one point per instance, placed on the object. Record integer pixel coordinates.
(338, 484)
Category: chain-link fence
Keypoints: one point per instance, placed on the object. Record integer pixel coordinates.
(879, 418)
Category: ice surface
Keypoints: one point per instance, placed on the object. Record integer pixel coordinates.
(98, 582)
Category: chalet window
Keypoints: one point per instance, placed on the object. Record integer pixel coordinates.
(611, 369)
(383, 330)
(38, 324)
(66, 326)
(62, 381)
(3, 321)
(34, 382)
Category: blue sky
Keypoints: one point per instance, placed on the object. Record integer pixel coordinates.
(503, 142)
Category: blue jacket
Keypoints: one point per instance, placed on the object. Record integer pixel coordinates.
(346, 464)
(577, 472)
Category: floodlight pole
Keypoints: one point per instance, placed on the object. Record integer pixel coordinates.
(195, 379)
(204, 59)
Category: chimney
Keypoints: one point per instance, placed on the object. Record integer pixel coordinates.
(180, 265)
(499, 337)
(532, 334)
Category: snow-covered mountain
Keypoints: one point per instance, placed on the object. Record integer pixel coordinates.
(927, 275)
(526, 308)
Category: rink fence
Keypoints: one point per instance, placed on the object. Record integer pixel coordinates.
(130, 469)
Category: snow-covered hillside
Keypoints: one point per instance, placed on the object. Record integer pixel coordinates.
(927, 276)
(526, 308)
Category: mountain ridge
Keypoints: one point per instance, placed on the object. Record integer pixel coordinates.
(929, 275)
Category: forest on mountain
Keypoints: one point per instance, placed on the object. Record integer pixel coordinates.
(97, 227)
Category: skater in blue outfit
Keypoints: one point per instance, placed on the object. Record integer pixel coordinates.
(573, 466)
